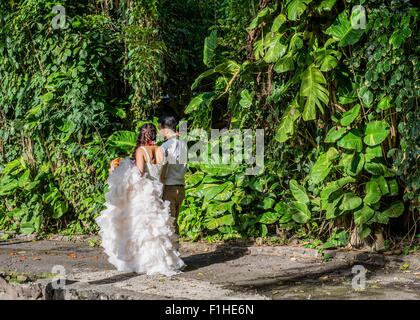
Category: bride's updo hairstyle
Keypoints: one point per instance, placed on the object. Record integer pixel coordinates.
(147, 135)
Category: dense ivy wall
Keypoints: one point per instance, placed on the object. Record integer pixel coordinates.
(337, 99)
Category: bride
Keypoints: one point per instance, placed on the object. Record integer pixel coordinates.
(136, 227)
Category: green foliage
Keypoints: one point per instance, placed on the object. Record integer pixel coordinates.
(71, 99)
(335, 108)
(338, 105)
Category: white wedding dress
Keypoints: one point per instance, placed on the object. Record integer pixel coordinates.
(136, 227)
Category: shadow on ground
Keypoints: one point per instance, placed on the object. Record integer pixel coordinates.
(221, 254)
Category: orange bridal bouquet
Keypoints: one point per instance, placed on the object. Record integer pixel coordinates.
(114, 164)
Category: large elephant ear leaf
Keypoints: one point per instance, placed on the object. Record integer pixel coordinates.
(300, 212)
(201, 101)
(350, 202)
(323, 165)
(373, 192)
(395, 210)
(298, 191)
(295, 8)
(350, 116)
(313, 89)
(343, 31)
(210, 44)
(352, 141)
(376, 132)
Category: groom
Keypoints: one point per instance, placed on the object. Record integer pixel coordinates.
(174, 171)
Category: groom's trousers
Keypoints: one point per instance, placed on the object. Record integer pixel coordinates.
(175, 194)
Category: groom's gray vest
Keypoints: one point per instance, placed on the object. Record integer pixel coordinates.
(175, 151)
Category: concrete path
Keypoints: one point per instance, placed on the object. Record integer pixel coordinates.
(217, 271)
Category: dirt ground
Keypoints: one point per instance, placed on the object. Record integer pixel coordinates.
(28, 270)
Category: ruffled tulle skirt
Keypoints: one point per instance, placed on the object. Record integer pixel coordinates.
(136, 227)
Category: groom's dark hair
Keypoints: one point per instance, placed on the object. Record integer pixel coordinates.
(167, 122)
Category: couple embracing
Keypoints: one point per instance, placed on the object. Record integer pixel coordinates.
(139, 225)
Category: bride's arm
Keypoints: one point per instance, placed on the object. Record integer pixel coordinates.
(140, 160)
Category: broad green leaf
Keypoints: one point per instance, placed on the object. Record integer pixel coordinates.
(275, 49)
(296, 42)
(334, 134)
(246, 99)
(8, 185)
(332, 208)
(13, 167)
(396, 39)
(367, 97)
(349, 116)
(278, 22)
(226, 220)
(383, 185)
(26, 228)
(123, 140)
(313, 89)
(298, 191)
(227, 67)
(202, 101)
(59, 209)
(280, 208)
(295, 8)
(352, 163)
(323, 165)
(209, 191)
(47, 97)
(326, 5)
(342, 31)
(218, 208)
(195, 179)
(259, 18)
(24, 179)
(395, 210)
(286, 128)
(333, 187)
(268, 218)
(373, 152)
(352, 141)
(202, 76)
(380, 217)
(376, 132)
(300, 212)
(210, 44)
(373, 193)
(326, 59)
(375, 168)
(284, 64)
(268, 203)
(226, 194)
(350, 202)
(363, 215)
(384, 104)
(393, 187)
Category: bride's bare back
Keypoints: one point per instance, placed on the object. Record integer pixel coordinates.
(145, 154)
